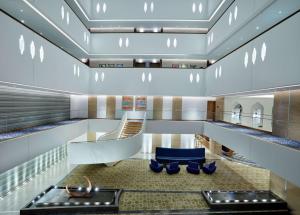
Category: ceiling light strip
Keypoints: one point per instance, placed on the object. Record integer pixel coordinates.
(218, 8)
(148, 20)
(138, 54)
(54, 25)
(82, 11)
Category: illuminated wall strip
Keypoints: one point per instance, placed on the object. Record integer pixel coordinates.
(55, 26)
(149, 20)
(20, 175)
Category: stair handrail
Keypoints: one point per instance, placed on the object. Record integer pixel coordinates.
(115, 134)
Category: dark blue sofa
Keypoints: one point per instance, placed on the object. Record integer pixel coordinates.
(183, 156)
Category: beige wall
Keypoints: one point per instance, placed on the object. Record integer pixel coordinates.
(247, 103)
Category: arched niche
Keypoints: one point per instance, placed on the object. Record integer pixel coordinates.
(236, 114)
(257, 111)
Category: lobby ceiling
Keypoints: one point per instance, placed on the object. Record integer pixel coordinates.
(149, 13)
(45, 18)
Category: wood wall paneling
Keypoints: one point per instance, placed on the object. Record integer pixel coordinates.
(219, 112)
(111, 107)
(294, 115)
(281, 113)
(157, 107)
(176, 140)
(211, 109)
(92, 107)
(177, 108)
(287, 191)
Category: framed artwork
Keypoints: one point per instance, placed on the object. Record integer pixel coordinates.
(127, 102)
(140, 103)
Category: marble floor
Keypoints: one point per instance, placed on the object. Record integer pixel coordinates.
(12, 203)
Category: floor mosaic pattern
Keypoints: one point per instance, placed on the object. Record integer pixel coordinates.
(145, 190)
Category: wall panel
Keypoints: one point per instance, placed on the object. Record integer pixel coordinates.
(15, 67)
(20, 108)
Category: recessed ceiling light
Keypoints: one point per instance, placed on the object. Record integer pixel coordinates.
(62, 12)
(194, 7)
(22, 20)
(263, 51)
(235, 12)
(74, 69)
(68, 18)
(208, 40)
(98, 7)
(155, 30)
(191, 77)
(126, 42)
(197, 78)
(22, 44)
(78, 71)
(246, 59)
(120, 42)
(155, 60)
(150, 77)
(96, 76)
(168, 42)
(84, 60)
(102, 76)
(175, 43)
(140, 60)
(141, 30)
(254, 55)
(42, 54)
(32, 49)
(230, 18)
(143, 77)
(257, 28)
(145, 7)
(200, 8)
(104, 7)
(21, 10)
(280, 12)
(152, 7)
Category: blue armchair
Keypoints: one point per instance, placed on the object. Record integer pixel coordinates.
(155, 166)
(173, 168)
(193, 167)
(209, 168)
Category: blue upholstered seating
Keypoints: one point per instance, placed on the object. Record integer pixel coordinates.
(155, 166)
(193, 167)
(183, 156)
(173, 168)
(210, 168)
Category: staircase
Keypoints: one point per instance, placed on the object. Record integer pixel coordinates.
(131, 128)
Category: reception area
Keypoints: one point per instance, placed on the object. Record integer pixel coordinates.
(149, 107)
